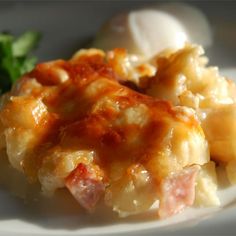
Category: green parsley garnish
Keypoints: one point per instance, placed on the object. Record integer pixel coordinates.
(15, 58)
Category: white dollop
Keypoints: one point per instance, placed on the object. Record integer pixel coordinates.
(194, 21)
(147, 32)
(154, 31)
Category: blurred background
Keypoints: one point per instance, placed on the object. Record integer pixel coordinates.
(69, 25)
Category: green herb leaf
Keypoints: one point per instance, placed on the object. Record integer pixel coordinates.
(15, 59)
(5, 45)
(25, 43)
(27, 64)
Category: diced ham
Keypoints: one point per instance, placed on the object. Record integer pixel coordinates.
(85, 186)
(177, 192)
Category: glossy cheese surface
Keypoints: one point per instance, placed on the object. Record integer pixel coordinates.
(72, 123)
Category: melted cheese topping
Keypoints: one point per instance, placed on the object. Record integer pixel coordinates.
(183, 78)
(72, 123)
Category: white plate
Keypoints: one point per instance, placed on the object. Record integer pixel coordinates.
(66, 26)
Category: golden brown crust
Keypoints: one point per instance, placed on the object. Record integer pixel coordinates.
(63, 107)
